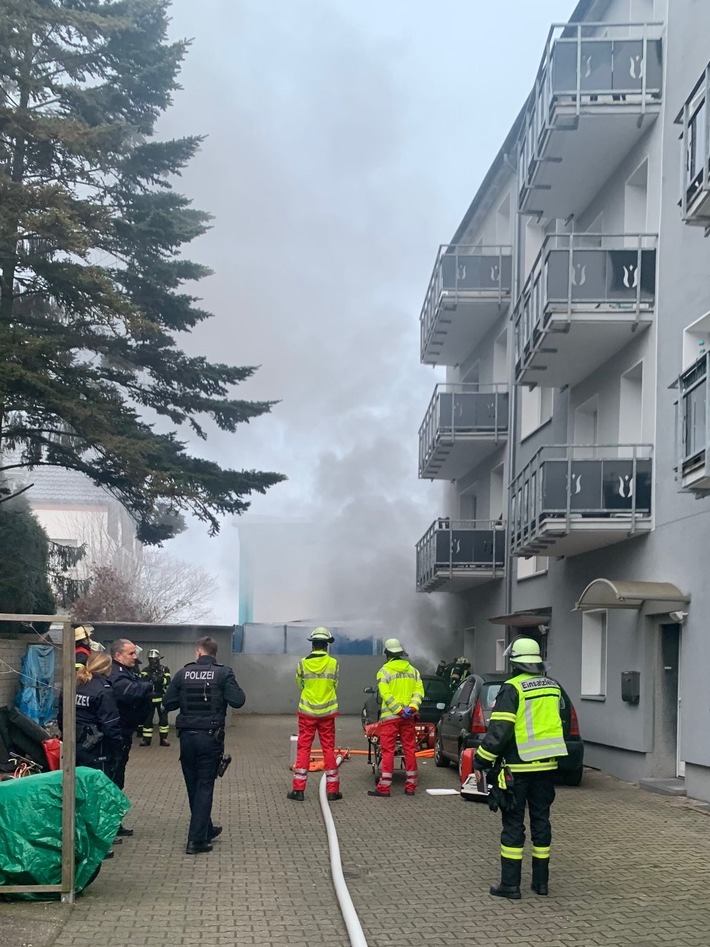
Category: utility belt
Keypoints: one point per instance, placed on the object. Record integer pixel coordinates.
(216, 732)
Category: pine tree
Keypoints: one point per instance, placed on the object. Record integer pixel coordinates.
(92, 274)
(24, 550)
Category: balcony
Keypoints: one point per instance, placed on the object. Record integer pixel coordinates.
(572, 499)
(692, 429)
(453, 556)
(695, 199)
(469, 288)
(462, 426)
(596, 92)
(585, 299)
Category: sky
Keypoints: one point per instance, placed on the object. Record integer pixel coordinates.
(345, 141)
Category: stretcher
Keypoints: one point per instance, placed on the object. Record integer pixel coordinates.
(425, 738)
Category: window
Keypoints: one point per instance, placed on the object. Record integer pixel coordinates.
(500, 654)
(533, 565)
(535, 409)
(464, 692)
(594, 653)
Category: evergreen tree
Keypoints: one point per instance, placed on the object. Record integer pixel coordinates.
(24, 550)
(91, 269)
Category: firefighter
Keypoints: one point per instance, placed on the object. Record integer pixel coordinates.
(83, 644)
(460, 669)
(401, 693)
(525, 730)
(159, 676)
(317, 679)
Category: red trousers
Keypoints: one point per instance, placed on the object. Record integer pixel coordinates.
(389, 731)
(307, 729)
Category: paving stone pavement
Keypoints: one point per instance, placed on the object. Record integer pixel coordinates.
(629, 868)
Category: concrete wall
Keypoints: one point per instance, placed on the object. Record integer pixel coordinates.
(269, 681)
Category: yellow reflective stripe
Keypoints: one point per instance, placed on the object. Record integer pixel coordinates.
(319, 677)
(503, 715)
(542, 748)
(541, 851)
(309, 706)
(508, 851)
(537, 766)
(486, 754)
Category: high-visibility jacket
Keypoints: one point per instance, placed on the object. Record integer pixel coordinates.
(525, 726)
(399, 685)
(317, 677)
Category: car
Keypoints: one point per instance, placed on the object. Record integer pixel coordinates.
(437, 693)
(465, 721)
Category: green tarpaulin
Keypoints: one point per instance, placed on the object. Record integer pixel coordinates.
(31, 827)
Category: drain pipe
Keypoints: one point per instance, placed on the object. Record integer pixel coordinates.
(347, 908)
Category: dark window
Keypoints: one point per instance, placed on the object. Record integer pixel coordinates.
(488, 694)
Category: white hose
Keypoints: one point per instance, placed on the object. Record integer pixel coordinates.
(347, 908)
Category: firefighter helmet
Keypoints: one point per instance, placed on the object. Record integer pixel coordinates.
(524, 651)
(321, 634)
(393, 646)
(83, 631)
(154, 653)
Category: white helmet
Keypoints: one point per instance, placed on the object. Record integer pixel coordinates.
(393, 646)
(153, 653)
(321, 634)
(83, 631)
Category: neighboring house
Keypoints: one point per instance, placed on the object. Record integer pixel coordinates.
(572, 313)
(75, 512)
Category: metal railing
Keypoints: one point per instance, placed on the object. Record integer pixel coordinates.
(694, 419)
(583, 63)
(454, 547)
(583, 270)
(696, 146)
(569, 482)
(463, 271)
(463, 411)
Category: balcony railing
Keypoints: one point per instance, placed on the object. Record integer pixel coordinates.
(467, 289)
(463, 424)
(692, 428)
(611, 69)
(605, 281)
(695, 199)
(573, 498)
(458, 554)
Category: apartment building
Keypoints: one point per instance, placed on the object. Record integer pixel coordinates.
(571, 310)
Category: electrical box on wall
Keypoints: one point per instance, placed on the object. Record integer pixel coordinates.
(631, 686)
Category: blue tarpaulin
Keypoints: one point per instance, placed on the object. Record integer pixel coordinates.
(35, 698)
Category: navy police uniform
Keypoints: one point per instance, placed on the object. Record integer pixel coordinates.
(133, 698)
(98, 728)
(201, 692)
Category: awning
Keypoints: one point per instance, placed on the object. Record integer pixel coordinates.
(659, 597)
(524, 619)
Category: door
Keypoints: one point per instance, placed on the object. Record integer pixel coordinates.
(668, 716)
(451, 721)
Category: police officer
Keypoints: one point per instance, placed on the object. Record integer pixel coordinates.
(132, 698)
(159, 676)
(201, 692)
(526, 730)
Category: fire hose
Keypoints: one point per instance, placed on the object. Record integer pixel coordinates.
(347, 908)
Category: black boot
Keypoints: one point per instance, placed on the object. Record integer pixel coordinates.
(509, 886)
(296, 794)
(164, 739)
(146, 741)
(540, 875)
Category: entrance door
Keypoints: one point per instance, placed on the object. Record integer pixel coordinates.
(669, 698)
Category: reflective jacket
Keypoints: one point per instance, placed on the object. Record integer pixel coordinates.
(317, 678)
(525, 726)
(201, 691)
(399, 685)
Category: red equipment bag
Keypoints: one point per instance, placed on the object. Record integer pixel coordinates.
(52, 750)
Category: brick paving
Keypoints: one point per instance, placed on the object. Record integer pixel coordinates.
(629, 868)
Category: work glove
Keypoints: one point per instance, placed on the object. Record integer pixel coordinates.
(407, 712)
